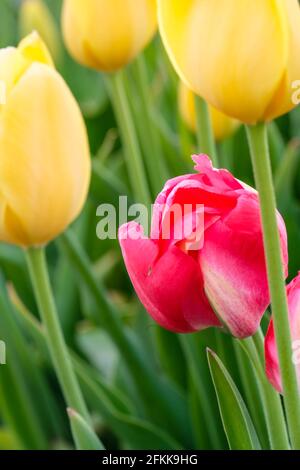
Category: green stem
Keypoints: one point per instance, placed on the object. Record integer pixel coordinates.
(273, 410)
(150, 139)
(258, 142)
(37, 265)
(205, 136)
(135, 165)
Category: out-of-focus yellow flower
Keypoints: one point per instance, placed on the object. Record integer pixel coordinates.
(223, 126)
(34, 15)
(108, 34)
(44, 153)
(242, 56)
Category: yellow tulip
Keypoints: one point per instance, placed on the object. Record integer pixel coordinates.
(242, 56)
(108, 34)
(44, 153)
(223, 126)
(34, 15)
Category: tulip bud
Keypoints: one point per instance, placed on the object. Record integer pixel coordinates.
(271, 353)
(34, 15)
(108, 34)
(45, 163)
(241, 56)
(223, 126)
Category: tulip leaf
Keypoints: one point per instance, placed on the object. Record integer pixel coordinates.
(237, 423)
(84, 436)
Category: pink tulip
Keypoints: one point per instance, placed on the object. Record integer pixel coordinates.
(214, 275)
(271, 354)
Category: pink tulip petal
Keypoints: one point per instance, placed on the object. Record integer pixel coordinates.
(189, 195)
(233, 267)
(271, 353)
(221, 179)
(170, 287)
(271, 358)
(216, 189)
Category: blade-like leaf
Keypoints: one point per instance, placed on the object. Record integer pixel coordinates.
(237, 423)
(84, 436)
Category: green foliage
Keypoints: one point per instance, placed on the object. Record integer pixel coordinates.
(145, 387)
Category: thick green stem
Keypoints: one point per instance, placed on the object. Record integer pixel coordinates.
(258, 142)
(37, 265)
(135, 165)
(205, 136)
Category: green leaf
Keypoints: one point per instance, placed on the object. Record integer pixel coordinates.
(136, 432)
(84, 436)
(236, 420)
(107, 400)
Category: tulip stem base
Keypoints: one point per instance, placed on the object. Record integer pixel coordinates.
(36, 261)
(137, 174)
(257, 136)
(205, 136)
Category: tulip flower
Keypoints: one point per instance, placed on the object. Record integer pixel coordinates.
(271, 353)
(241, 56)
(45, 163)
(215, 273)
(223, 126)
(34, 15)
(108, 34)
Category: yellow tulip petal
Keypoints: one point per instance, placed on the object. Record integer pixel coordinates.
(11, 229)
(15, 61)
(12, 66)
(282, 102)
(233, 53)
(108, 34)
(35, 15)
(44, 158)
(34, 49)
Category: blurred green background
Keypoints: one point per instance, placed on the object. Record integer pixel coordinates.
(32, 410)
